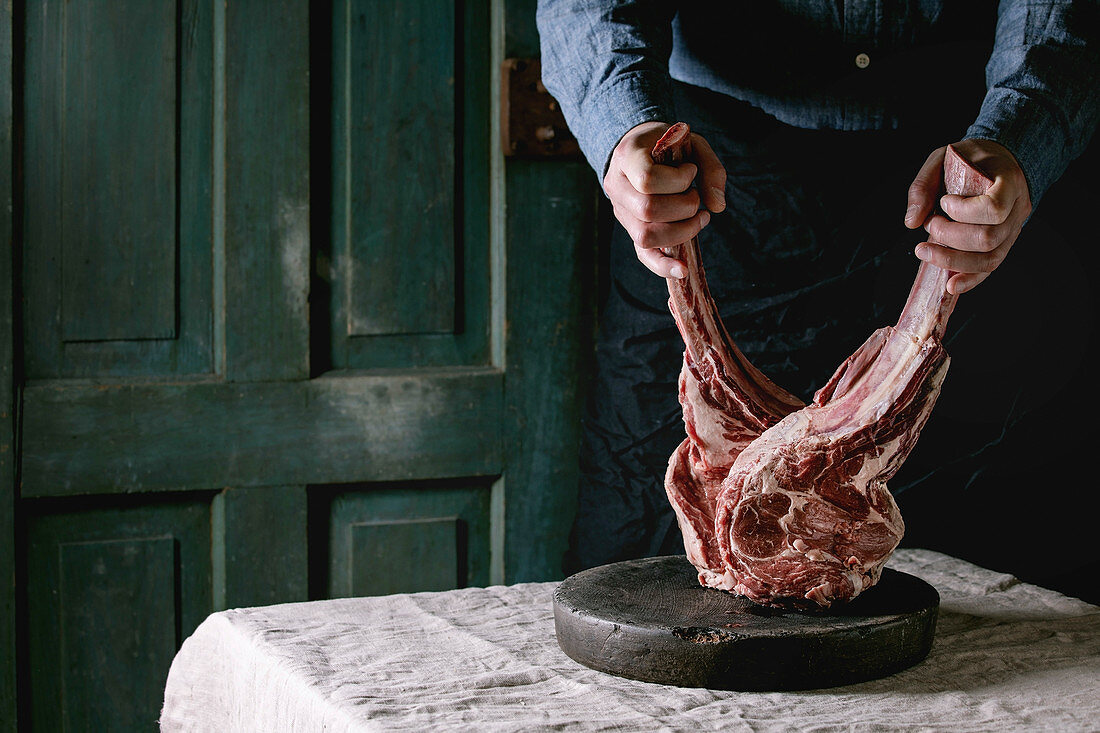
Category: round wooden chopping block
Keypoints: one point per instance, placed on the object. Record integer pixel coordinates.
(651, 620)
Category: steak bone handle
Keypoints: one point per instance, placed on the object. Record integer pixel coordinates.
(689, 297)
(674, 146)
(754, 402)
(672, 149)
(930, 304)
(960, 177)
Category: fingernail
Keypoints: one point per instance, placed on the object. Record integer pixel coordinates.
(911, 212)
(706, 217)
(922, 252)
(721, 194)
(677, 272)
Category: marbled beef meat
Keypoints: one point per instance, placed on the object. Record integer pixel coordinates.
(787, 503)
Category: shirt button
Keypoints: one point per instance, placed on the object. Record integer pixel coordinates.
(863, 61)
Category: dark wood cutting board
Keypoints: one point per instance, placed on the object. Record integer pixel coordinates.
(651, 620)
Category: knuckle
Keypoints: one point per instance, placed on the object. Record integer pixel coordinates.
(999, 212)
(646, 208)
(645, 180)
(987, 239)
(648, 238)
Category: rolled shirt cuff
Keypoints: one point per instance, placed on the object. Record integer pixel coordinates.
(1030, 132)
(633, 98)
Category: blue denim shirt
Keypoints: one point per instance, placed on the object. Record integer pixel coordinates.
(834, 64)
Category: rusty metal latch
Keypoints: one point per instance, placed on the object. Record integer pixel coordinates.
(531, 123)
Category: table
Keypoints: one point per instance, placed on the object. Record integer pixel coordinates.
(1007, 656)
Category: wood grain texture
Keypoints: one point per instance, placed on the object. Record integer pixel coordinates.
(117, 206)
(408, 269)
(81, 439)
(111, 592)
(650, 620)
(402, 167)
(404, 556)
(117, 602)
(548, 349)
(405, 537)
(267, 190)
(260, 546)
(118, 158)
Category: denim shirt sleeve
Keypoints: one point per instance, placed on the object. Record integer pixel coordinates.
(1043, 79)
(607, 65)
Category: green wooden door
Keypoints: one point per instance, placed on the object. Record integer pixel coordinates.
(281, 324)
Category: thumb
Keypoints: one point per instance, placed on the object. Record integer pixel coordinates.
(712, 175)
(925, 190)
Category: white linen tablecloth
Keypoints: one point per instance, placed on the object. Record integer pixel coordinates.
(1007, 656)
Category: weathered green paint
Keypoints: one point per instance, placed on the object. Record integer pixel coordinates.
(395, 538)
(550, 296)
(454, 399)
(408, 267)
(8, 708)
(112, 589)
(260, 546)
(117, 606)
(404, 556)
(267, 190)
(116, 206)
(80, 439)
(401, 272)
(118, 184)
(549, 334)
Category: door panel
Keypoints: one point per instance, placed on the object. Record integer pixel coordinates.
(112, 589)
(401, 167)
(117, 600)
(117, 158)
(404, 538)
(409, 265)
(118, 193)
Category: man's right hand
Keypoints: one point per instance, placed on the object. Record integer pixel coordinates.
(656, 203)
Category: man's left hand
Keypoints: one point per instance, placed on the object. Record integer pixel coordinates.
(981, 230)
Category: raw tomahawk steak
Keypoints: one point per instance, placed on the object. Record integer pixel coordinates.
(787, 503)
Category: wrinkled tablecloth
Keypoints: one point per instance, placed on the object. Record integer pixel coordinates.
(1007, 656)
